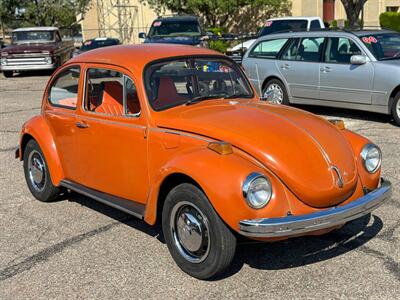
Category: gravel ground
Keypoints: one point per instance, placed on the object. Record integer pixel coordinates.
(77, 248)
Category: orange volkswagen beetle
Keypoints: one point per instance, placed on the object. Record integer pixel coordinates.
(176, 134)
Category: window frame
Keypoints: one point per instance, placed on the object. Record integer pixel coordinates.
(124, 94)
(300, 40)
(55, 79)
(340, 37)
(278, 55)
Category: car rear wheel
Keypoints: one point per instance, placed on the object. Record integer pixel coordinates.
(396, 109)
(275, 92)
(8, 74)
(37, 173)
(198, 240)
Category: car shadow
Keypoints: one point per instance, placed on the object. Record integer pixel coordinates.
(348, 113)
(291, 253)
(43, 73)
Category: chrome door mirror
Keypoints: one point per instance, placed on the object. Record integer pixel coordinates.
(358, 59)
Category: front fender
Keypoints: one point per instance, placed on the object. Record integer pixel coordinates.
(39, 130)
(221, 178)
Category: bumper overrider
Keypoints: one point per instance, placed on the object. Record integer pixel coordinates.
(302, 224)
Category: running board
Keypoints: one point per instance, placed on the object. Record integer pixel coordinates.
(128, 206)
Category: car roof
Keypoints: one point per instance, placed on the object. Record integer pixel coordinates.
(177, 18)
(294, 18)
(138, 56)
(371, 31)
(35, 29)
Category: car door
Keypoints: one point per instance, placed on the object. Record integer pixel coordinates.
(340, 80)
(62, 95)
(299, 66)
(111, 135)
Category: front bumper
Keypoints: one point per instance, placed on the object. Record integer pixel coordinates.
(303, 224)
(27, 67)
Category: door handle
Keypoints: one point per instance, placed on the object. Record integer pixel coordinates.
(325, 69)
(81, 125)
(285, 66)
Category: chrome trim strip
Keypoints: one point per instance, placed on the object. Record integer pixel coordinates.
(328, 218)
(128, 206)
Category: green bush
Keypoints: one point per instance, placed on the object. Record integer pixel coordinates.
(390, 20)
(334, 24)
(217, 45)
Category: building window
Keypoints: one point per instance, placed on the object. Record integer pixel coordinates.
(392, 8)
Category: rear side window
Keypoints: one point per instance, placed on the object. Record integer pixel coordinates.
(64, 89)
(310, 49)
(110, 92)
(315, 24)
(268, 49)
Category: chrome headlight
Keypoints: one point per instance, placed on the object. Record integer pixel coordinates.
(3, 61)
(48, 60)
(257, 190)
(372, 157)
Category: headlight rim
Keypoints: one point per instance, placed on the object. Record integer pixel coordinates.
(363, 154)
(246, 187)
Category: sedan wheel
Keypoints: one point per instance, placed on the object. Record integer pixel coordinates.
(396, 109)
(274, 93)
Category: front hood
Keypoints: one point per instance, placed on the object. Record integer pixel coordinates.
(391, 62)
(183, 40)
(299, 147)
(29, 48)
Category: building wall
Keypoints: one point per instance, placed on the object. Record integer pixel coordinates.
(372, 9)
(122, 19)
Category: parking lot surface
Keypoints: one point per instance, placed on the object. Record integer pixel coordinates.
(78, 248)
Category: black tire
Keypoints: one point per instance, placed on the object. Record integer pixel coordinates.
(285, 99)
(220, 241)
(43, 190)
(8, 74)
(396, 108)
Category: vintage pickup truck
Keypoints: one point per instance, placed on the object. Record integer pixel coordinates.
(35, 48)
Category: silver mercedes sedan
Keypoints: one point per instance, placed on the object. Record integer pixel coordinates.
(355, 70)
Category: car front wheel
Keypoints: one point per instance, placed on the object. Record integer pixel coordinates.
(199, 242)
(275, 92)
(37, 173)
(396, 109)
(8, 74)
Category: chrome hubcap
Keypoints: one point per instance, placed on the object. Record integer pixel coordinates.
(274, 93)
(398, 108)
(190, 232)
(37, 170)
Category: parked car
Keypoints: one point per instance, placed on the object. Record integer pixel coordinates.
(179, 29)
(176, 135)
(94, 44)
(356, 70)
(271, 26)
(35, 48)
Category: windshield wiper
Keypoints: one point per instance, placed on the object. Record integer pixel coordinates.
(202, 98)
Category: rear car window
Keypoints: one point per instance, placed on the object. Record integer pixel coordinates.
(282, 26)
(64, 89)
(308, 50)
(268, 49)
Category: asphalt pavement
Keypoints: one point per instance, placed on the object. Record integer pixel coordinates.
(77, 248)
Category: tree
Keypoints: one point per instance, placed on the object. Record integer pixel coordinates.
(61, 13)
(353, 9)
(236, 15)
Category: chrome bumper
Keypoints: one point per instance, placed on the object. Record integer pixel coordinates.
(297, 225)
(27, 67)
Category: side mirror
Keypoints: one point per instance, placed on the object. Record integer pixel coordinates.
(204, 38)
(142, 35)
(358, 59)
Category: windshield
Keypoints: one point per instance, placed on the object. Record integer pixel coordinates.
(32, 37)
(177, 28)
(190, 80)
(91, 44)
(383, 46)
(283, 25)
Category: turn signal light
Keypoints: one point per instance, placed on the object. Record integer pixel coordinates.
(222, 148)
(338, 123)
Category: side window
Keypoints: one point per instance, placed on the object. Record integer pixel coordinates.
(132, 105)
(268, 49)
(291, 51)
(310, 49)
(105, 93)
(339, 50)
(64, 89)
(315, 24)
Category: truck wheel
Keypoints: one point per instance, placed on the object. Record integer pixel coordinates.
(37, 173)
(199, 242)
(277, 90)
(396, 109)
(8, 74)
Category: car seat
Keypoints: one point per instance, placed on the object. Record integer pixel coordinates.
(112, 99)
(167, 93)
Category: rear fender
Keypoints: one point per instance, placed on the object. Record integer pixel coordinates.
(38, 129)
